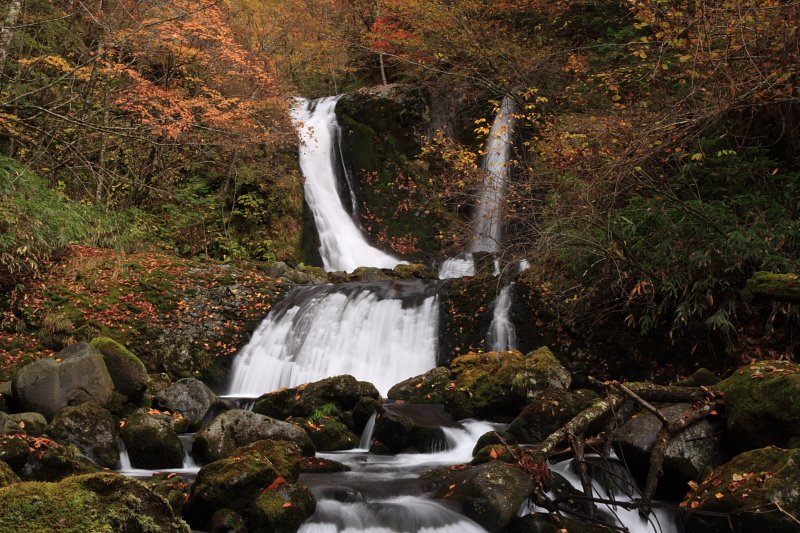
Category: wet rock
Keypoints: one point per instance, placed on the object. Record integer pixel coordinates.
(152, 443)
(126, 370)
(189, 397)
(544, 371)
(7, 475)
(758, 490)
(547, 412)
(320, 465)
(278, 270)
(158, 382)
(368, 274)
(494, 437)
(406, 427)
(94, 502)
(91, 429)
(549, 523)
(281, 510)
(691, 454)
(75, 375)
(236, 428)
(489, 494)
(762, 403)
(170, 486)
(429, 387)
(234, 482)
(33, 424)
(418, 271)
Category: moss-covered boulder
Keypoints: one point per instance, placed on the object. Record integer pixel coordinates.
(234, 482)
(41, 459)
(75, 375)
(170, 486)
(33, 424)
(127, 371)
(429, 387)
(151, 441)
(320, 465)
(329, 434)
(492, 438)
(762, 403)
(407, 427)
(490, 494)
(236, 428)
(415, 271)
(343, 392)
(228, 521)
(7, 475)
(91, 429)
(191, 398)
(548, 411)
(87, 503)
(282, 509)
(758, 490)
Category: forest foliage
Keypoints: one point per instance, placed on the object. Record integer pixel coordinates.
(656, 161)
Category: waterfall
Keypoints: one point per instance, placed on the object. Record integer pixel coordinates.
(488, 216)
(380, 332)
(343, 245)
(502, 336)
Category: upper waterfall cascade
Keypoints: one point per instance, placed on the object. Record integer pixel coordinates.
(488, 216)
(343, 245)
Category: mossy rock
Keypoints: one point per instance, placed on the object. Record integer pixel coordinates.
(41, 459)
(320, 465)
(758, 490)
(329, 434)
(170, 486)
(496, 452)
(228, 521)
(151, 442)
(494, 437)
(548, 411)
(415, 271)
(234, 482)
(282, 509)
(8, 426)
(7, 475)
(762, 403)
(544, 371)
(91, 429)
(342, 391)
(91, 503)
(429, 387)
(703, 377)
(127, 371)
(34, 424)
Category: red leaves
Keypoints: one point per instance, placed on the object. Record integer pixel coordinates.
(275, 484)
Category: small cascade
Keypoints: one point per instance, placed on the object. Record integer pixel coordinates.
(380, 332)
(489, 217)
(622, 489)
(188, 468)
(369, 429)
(343, 245)
(502, 335)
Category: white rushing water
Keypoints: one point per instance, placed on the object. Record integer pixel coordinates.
(488, 215)
(382, 494)
(343, 245)
(380, 332)
(502, 335)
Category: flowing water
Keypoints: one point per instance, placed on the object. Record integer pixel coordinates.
(502, 335)
(343, 245)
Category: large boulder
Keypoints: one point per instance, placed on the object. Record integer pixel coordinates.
(151, 442)
(75, 375)
(91, 429)
(691, 454)
(87, 503)
(408, 427)
(344, 392)
(236, 428)
(234, 482)
(762, 403)
(758, 490)
(190, 397)
(490, 494)
(127, 371)
(329, 434)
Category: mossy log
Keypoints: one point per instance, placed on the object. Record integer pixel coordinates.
(766, 286)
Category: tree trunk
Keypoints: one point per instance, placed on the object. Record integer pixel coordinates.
(7, 31)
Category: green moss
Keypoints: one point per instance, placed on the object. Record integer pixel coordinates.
(271, 514)
(7, 475)
(330, 434)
